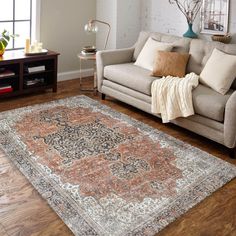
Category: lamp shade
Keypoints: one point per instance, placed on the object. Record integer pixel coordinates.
(91, 27)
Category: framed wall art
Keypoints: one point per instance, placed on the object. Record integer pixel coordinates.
(215, 16)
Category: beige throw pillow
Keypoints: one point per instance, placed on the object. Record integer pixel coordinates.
(147, 55)
(170, 63)
(219, 71)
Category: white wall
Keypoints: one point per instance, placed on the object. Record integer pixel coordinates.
(128, 22)
(62, 24)
(106, 11)
(124, 16)
(162, 17)
(62, 29)
(129, 17)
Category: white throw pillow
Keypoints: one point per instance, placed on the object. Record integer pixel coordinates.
(147, 56)
(219, 71)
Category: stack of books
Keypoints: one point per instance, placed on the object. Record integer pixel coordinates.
(89, 50)
(7, 88)
(34, 82)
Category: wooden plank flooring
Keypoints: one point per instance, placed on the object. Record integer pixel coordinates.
(23, 212)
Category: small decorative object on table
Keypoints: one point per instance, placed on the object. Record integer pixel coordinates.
(222, 38)
(89, 50)
(190, 9)
(35, 49)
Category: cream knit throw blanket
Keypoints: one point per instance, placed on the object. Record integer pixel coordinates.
(172, 96)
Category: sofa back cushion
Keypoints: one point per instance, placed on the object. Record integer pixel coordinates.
(201, 50)
(180, 44)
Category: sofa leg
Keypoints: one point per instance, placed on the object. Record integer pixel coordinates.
(103, 96)
(232, 153)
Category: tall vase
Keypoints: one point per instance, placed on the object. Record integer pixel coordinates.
(190, 33)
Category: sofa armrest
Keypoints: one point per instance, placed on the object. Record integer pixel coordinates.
(230, 122)
(111, 57)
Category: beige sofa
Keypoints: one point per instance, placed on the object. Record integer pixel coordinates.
(215, 114)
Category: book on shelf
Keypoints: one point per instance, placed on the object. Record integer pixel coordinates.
(5, 86)
(6, 73)
(34, 81)
(5, 89)
(35, 69)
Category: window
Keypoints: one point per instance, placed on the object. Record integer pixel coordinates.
(20, 17)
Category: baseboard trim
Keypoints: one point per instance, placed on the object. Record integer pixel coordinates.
(70, 75)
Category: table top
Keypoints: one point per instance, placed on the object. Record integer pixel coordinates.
(20, 55)
(87, 57)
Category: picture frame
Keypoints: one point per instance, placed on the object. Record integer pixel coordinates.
(215, 17)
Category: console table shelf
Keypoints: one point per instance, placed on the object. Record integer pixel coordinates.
(23, 82)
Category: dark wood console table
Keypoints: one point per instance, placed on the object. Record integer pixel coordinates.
(17, 77)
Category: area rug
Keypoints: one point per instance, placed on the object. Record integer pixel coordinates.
(105, 173)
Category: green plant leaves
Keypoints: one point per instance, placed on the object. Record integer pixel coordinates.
(4, 42)
(5, 38)
(2, 47)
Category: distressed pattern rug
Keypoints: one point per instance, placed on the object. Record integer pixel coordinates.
(105, 173)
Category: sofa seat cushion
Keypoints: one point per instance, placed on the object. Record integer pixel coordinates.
(210, 103)
(206, 102)
(131, 76)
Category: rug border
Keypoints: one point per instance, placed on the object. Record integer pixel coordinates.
(121, 116)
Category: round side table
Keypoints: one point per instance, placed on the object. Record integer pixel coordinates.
(82, 58)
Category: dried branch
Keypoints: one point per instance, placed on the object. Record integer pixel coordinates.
(189, 8)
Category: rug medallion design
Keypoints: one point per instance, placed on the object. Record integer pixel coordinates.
(105, 173)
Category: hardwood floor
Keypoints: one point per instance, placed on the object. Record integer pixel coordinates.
(23, 212)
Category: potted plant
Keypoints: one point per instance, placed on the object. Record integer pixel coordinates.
(190, 9)
(4, 40)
